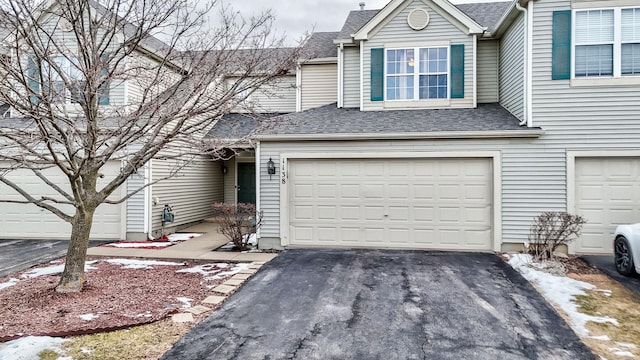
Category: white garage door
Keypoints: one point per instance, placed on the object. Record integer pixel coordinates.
(26, 221)
(607, 194)
(391, 203)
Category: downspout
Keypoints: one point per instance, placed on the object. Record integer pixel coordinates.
(258, 187)
(362, 76)
(341, 76)
(525, 79)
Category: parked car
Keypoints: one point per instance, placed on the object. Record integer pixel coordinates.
(626, 249)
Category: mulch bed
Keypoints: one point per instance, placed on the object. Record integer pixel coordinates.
(115, 297)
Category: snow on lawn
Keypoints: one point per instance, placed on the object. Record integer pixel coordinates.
(128, 245)
(54, 270)
(186, 302)
(88, 317)
(141, 264)
(559, 290)
(216, 271)
(182, 236)
(28, 348)
(11, 282)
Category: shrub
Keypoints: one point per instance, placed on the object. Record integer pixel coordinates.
(552, 229)
(237, 222)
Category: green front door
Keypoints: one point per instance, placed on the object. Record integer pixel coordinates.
(247, 183)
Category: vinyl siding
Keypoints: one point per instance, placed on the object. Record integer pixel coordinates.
(135, 204)
(487, 66)
(439, 29)
(270, 193)
(279, 96)
(351, 81)
(319, 85)
(511, 75)
(230, 182)
(190, 193)
(145, 82)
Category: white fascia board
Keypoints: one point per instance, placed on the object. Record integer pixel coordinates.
(531, 133)
(324, 60)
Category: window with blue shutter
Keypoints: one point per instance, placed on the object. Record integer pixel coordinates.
(33, 79)
(377, 74)
(561, 45)
(457, 71)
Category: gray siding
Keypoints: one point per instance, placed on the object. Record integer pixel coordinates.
(487, 66)
(230, 182)
(319, 85)
(511, 67)
(439, 29)
(277, 97)
(270, 193)
(135, 204)
(351, 81)
(191, 192)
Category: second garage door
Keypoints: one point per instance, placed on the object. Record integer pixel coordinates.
(391, 203)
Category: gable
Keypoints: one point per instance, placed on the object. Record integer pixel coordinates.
(441, 7)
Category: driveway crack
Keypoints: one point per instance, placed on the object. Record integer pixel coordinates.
(313, 333)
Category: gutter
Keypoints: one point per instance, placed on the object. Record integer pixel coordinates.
(530, 133)
(528, 61)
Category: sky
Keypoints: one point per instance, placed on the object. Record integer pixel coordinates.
(294, 17)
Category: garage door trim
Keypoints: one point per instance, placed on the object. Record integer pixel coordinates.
(572, 157)
(496, 186)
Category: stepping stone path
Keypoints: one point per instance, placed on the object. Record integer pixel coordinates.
(221, 292)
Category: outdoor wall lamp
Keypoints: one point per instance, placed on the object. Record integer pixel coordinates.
(271, 168)
(223, 169)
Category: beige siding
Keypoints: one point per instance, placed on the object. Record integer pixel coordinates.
(439, 29)
(511, 77)
(487, 66)
(147, 81)
(319, 85)
(278, 96)
(351, 81)
(191, 192)
(230, 182)
(136, 203)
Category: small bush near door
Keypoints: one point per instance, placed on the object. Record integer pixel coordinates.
(552, 229)
(237, 222)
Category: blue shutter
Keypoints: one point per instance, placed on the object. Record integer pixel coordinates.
(33, 80)
(457, 71)
(377, 74)
(561, 45)
(103, 91)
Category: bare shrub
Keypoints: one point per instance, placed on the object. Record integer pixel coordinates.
(552, 229)
(237, 222)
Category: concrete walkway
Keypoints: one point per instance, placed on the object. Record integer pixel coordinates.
(198, 248)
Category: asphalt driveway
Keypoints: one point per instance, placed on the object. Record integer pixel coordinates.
(348, 304)
(606, 265)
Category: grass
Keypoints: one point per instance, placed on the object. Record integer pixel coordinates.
(141, 342)
(620, 304)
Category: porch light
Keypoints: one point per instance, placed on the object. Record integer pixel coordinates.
(223, 169)
(271, 168)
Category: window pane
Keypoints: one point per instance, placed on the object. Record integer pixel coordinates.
(630, 59)
(433, 86)
(400, 87)
(433, 60)
(631, 24)
(400, 61)
(594, 26)
(594, 60)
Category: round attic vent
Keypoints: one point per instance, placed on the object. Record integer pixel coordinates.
(418, 19)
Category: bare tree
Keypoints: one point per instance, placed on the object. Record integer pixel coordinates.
(59, 64)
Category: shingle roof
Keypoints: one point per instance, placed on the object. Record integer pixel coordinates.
(329, 119)
(320, 45)
(236, 125)
(355, 20)
(485, 14)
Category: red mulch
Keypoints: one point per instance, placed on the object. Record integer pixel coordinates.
(120, 297)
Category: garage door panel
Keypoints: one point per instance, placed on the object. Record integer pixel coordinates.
(19, 221)
(404, 203)
(607, 193)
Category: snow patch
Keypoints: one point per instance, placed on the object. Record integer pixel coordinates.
(216, 271)
(28, 348)
(54, 270)
(186, 302)
(88, 317)
(252, 239)
(182, 236)
(626, 345)
(561, 291)
(141, 264)
(11, 282)
(622, 353)
(132, 245)
(601, 337)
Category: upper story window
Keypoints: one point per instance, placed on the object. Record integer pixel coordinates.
(417, 73)
(606, 42)
(58, 70)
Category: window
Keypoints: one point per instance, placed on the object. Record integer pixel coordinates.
(607, 42)
(429, 81)
(58, 70)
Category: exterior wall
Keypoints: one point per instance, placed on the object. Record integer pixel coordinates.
(397, 31)
(487, 71)
(145, 82)
(190, 193)
(229, 178)
(280, 96)
(351, 80)
(319, 85)
(135, 206)
(511, 74)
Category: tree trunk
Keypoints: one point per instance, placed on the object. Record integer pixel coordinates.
(73, 275)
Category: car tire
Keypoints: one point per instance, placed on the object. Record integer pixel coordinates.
(623, 257)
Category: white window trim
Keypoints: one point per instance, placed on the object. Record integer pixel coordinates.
(617, 43)
(416, 74)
